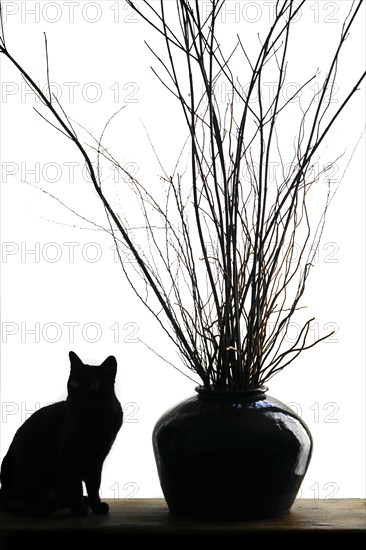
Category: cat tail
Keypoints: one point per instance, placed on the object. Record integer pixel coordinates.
(6, 476)
(6, 480)
(14, 501)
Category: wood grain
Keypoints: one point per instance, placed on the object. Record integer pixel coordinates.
(136, 518)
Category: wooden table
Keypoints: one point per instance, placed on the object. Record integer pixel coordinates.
(140, 518)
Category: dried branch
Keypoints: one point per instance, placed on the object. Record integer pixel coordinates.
(226, 245)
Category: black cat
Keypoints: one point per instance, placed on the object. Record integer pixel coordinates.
(63, 445)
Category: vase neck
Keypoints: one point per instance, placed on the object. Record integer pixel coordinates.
(253, 394)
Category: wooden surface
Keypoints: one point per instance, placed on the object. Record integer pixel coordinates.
(136, 518)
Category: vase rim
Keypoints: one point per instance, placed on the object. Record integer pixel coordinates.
(219, 391)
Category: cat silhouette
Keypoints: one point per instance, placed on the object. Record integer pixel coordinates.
(64, 444)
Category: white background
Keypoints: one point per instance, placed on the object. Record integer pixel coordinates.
(99, 63)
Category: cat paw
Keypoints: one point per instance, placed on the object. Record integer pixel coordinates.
(79, 510)
(100, 508)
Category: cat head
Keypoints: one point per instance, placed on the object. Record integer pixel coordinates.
(91, 381)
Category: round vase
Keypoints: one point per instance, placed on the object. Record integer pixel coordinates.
(231, 455)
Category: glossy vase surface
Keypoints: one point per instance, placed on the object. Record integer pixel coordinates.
(231, 455)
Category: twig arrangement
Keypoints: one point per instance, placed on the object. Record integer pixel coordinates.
(226, 255)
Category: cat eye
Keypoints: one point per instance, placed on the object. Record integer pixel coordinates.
(94, 385)
(73, 383)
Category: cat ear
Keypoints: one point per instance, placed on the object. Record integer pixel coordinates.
(74, 359)
(111, 364)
